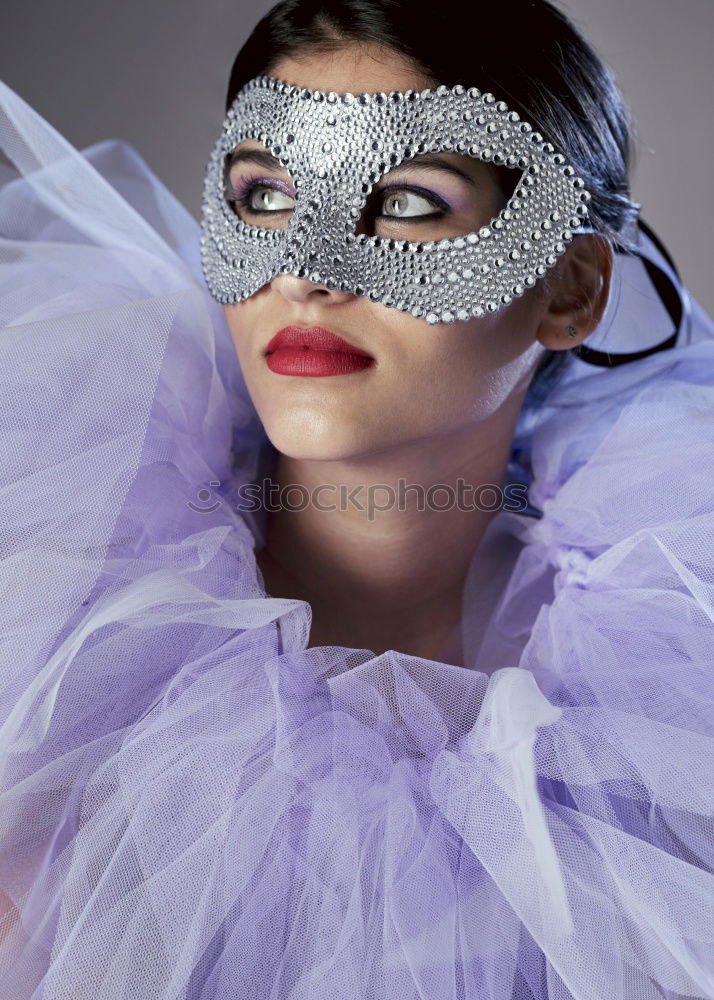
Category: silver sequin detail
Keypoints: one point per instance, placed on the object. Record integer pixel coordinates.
(333, 145)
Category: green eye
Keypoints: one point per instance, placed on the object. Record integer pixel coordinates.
(262, 198)
(259, 197)
(406, 204)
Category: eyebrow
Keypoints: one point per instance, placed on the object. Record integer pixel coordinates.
(432, 162)
(257, 156)
(262, 158)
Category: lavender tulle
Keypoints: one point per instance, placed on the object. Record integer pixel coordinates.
(194, 805)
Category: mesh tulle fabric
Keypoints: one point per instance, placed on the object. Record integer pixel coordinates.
(193, 803)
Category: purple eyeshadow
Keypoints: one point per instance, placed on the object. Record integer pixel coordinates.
(246, 183)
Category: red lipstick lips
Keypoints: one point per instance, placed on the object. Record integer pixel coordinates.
(314, 352)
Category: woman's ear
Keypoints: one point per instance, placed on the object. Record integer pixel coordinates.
(577, 292)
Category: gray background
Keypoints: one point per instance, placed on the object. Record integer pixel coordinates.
(155, 74)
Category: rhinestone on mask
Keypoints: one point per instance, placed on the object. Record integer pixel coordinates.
(335, 147)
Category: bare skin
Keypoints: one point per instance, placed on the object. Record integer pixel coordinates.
(440, 403)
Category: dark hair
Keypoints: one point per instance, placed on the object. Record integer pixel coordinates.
(526, 52)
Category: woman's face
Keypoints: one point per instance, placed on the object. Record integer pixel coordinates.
(426, 381)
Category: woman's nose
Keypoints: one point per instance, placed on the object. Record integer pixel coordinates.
(298, 289)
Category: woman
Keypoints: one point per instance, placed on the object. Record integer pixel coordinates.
(421, 749)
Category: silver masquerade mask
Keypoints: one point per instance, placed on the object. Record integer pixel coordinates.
(335, 147)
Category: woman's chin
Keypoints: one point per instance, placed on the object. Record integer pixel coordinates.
(333, 444)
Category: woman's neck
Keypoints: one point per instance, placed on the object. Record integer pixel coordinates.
(389, 577)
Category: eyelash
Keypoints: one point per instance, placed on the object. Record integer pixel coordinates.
(242, 197)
